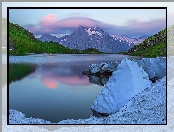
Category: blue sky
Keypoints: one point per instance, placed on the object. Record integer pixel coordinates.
(110, 16)
(133, 22)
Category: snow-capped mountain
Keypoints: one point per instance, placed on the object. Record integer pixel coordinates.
(128, 39)
(94, 37)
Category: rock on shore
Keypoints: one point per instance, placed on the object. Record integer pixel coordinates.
(129, 97)
(127, 81)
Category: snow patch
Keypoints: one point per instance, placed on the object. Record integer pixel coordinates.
(93, 32)
(16, 117)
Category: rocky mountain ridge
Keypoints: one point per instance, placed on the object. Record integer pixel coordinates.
(129, 39)
(94, 37)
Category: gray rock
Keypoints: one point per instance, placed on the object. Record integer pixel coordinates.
(103, 68)
(104, 80)
(110, 66)
(95, 68)
(95, 80)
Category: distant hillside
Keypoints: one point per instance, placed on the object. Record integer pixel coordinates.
(170, 40)
(22, 41)
(151, 47)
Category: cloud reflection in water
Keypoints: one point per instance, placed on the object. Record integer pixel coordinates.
(51, 76)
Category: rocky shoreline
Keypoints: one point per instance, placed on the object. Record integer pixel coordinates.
(105, 70)
(129, 96)
(129, 78)
(148, 107)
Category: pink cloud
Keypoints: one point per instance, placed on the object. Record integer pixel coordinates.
(48, 21)
(74, 22)
(51, 25)
(139, 27)
(139, 23)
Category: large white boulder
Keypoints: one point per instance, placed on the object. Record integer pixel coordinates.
(154, 67)
(127, 81)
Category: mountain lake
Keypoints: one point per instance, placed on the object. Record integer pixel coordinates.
(52, 86)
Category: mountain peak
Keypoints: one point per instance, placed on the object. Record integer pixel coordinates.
(91, 37)
(96, 28)
(48, 37)
(81, 27)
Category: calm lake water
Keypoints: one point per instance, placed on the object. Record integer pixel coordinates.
(52, 87)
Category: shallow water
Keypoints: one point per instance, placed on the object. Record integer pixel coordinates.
(52, 87)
